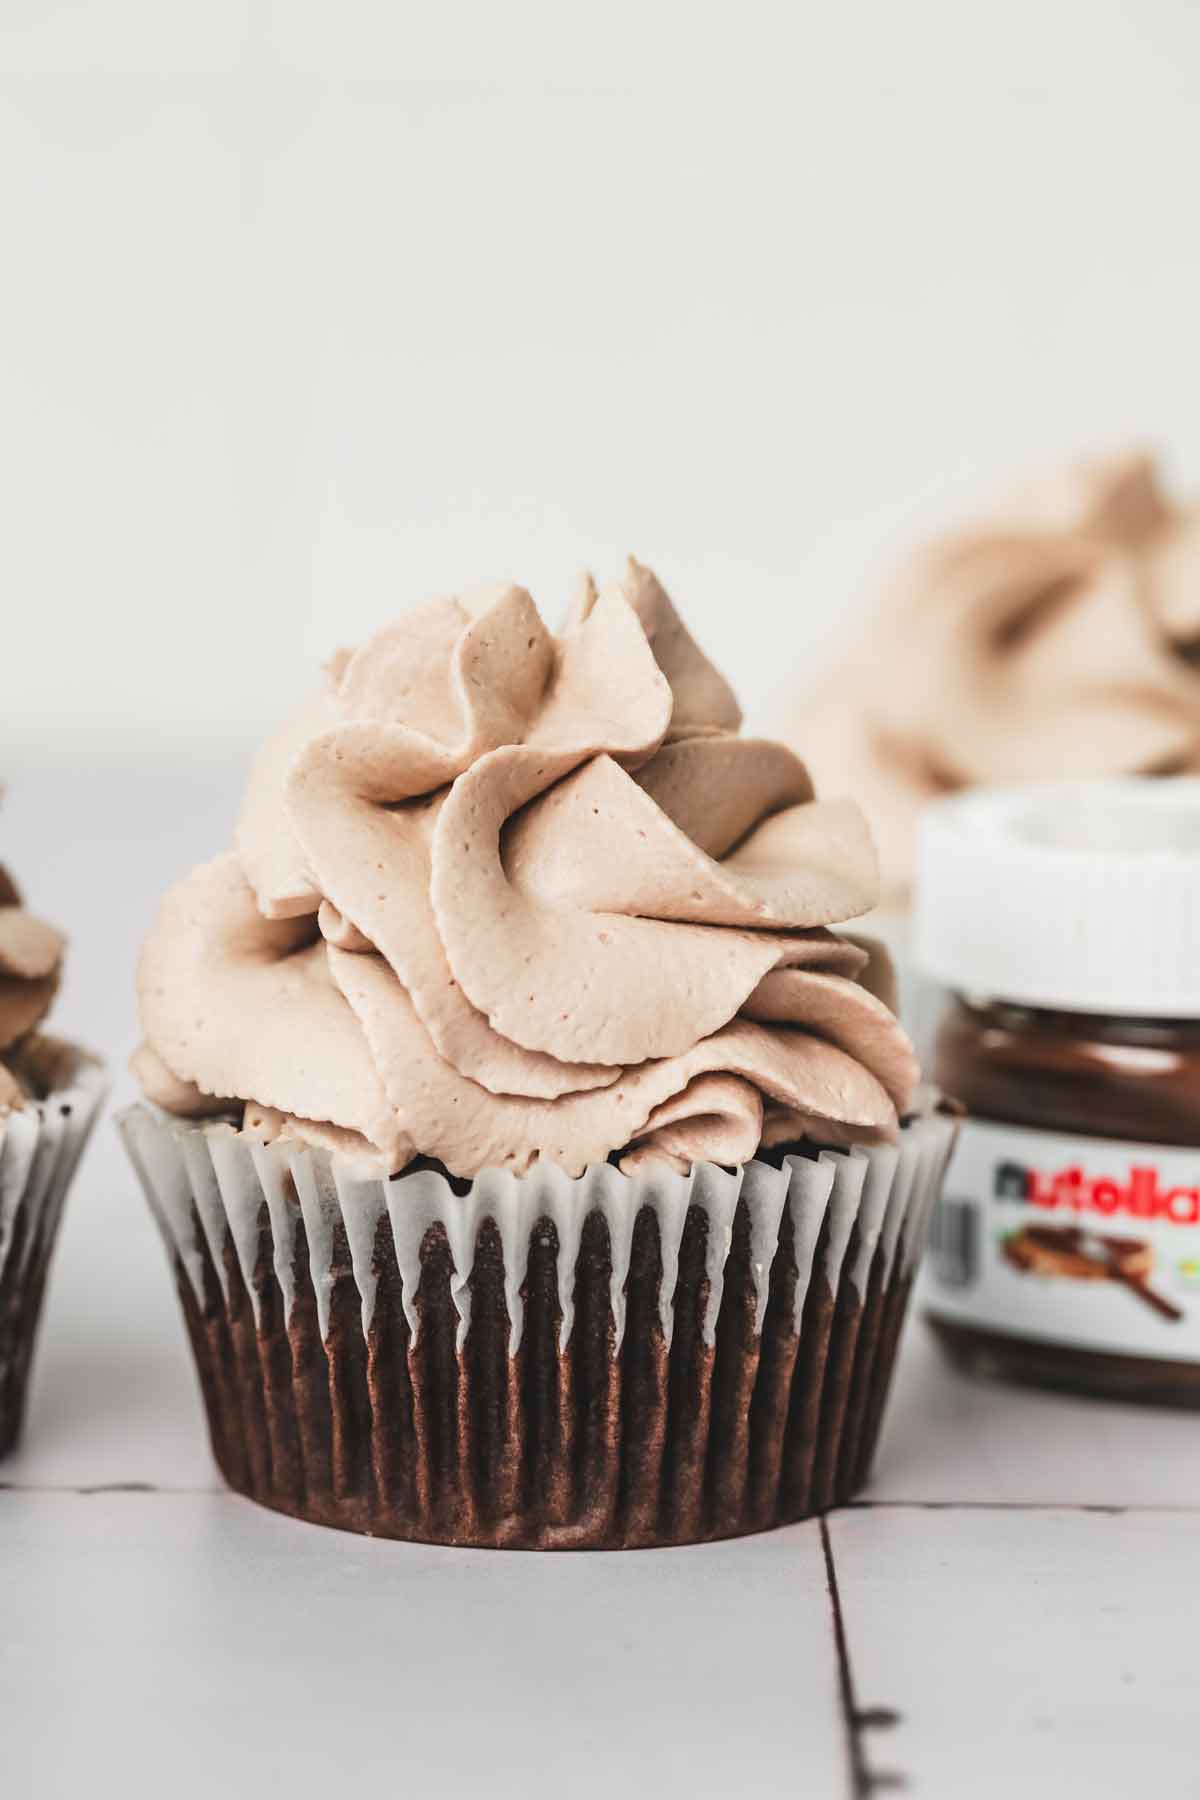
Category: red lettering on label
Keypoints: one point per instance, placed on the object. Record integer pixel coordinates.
(1070, 1190)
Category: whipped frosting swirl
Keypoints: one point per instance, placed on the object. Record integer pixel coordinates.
(1058, 636)
(31, 954)
(500, 896)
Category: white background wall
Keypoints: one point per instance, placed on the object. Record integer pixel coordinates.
(310, 310)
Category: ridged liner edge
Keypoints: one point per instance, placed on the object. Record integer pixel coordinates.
(40, 1148)
(272, 1244)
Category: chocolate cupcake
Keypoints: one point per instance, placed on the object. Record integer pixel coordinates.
(50, 1092)
(537, 1165)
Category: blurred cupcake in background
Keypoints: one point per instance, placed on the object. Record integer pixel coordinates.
(538, 1164)
(1056, 636)
(49, 1095)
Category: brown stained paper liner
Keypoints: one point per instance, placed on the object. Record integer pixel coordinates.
(40, 1146)
(543, 1362)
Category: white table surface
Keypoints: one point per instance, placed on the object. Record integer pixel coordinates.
(1007, 1613)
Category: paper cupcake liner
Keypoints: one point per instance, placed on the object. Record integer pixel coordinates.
(40, 1146)
(545, 1362)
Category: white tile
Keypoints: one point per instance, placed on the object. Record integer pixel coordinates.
(954, 1437)
(197, 1645)
(187, 1638)
(1027, 1653)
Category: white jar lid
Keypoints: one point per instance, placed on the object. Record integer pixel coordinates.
(1083, 895)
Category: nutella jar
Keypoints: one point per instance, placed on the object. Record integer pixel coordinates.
(1065, 921)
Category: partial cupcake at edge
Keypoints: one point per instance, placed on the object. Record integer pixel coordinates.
(50, 1092)
(538, 1164)
(1057, 635)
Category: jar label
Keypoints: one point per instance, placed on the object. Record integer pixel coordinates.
(1083, 1241)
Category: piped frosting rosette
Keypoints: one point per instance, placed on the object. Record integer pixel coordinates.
(31, 955)
(1056, 636)
(500, 897)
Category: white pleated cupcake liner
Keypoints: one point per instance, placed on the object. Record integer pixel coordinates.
(40, 1148)
(333, 1317)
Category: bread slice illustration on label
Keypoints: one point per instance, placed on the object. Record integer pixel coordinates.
(1078, 1255)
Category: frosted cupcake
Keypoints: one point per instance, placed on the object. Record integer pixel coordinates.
(1055, 637)
(49, 1095)
(538, 1165)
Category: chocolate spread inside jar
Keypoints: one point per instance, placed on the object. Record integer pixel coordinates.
(1065, 921)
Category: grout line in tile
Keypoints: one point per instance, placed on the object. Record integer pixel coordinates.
(1030, 1506)
(1078, 1506)
(864, 1780)
(101, 1487)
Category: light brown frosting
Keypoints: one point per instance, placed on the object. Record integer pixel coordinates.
(498, 896)
(31, 954)
(1059, 636)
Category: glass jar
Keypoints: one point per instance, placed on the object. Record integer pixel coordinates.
(1066, 1247)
